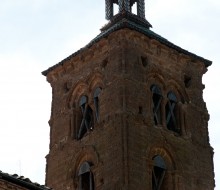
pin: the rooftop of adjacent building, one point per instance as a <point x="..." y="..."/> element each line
<point x="22" y="181"/>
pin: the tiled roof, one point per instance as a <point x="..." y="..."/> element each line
<point x="22" y="181"/>
<point x="129" y="16"/>
<point x="128" y="21"/>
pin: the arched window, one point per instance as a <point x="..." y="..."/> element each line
<point x="171" y="112"/>
<point x="87" y="117"/>
<point x="158" y="173"/>
<point x="157" y="99"/>
<point x="96" y="102"/>
<point x="86" y="179"/>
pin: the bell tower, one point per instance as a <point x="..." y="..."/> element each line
<point x="128" y="112"/>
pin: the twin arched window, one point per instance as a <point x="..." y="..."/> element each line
<point x="87" y="113"/>
<point x="170" y="110"/>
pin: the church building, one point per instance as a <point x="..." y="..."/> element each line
<point x="128" y="111"/>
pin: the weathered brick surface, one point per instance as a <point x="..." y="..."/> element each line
<point x="124" y="141"/>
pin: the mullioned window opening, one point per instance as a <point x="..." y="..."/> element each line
<point x="165" y="111"/>
<point x="87" y="115"/>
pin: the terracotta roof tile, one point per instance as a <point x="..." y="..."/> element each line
<point x="22" y="181"/>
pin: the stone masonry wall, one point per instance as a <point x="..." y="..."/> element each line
<point x="125" y="139"/>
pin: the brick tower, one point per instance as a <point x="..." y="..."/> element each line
<point x="128" y="112"/>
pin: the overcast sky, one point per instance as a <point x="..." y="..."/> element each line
<point x="36" y="34"/>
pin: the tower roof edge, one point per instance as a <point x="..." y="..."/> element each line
<point x="127" y="23"/>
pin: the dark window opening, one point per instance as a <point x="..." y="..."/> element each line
<point x="171" y="113"/>
<point x="144" y="61"/>
<point x="158" y="173"/>
<point x="140" y="111"/>
<point x="187" y="81"/>
<point x="87" y="117"/>
<point x="157" y="99"/>
<point x="104" y="64"/>
<point x="86" y="179"/>
<point x="96" y="102"/>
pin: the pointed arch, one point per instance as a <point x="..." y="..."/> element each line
<point x="86" y="154"/>
<point x="166" y="153"/>
<point x="180" y="92"/>
<point x="82" y="160"/>
<point x="79" y="89"/>
<point x="157" y="79"/>
<point x="95" y="80"/>
<point x="164" y="166"/>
